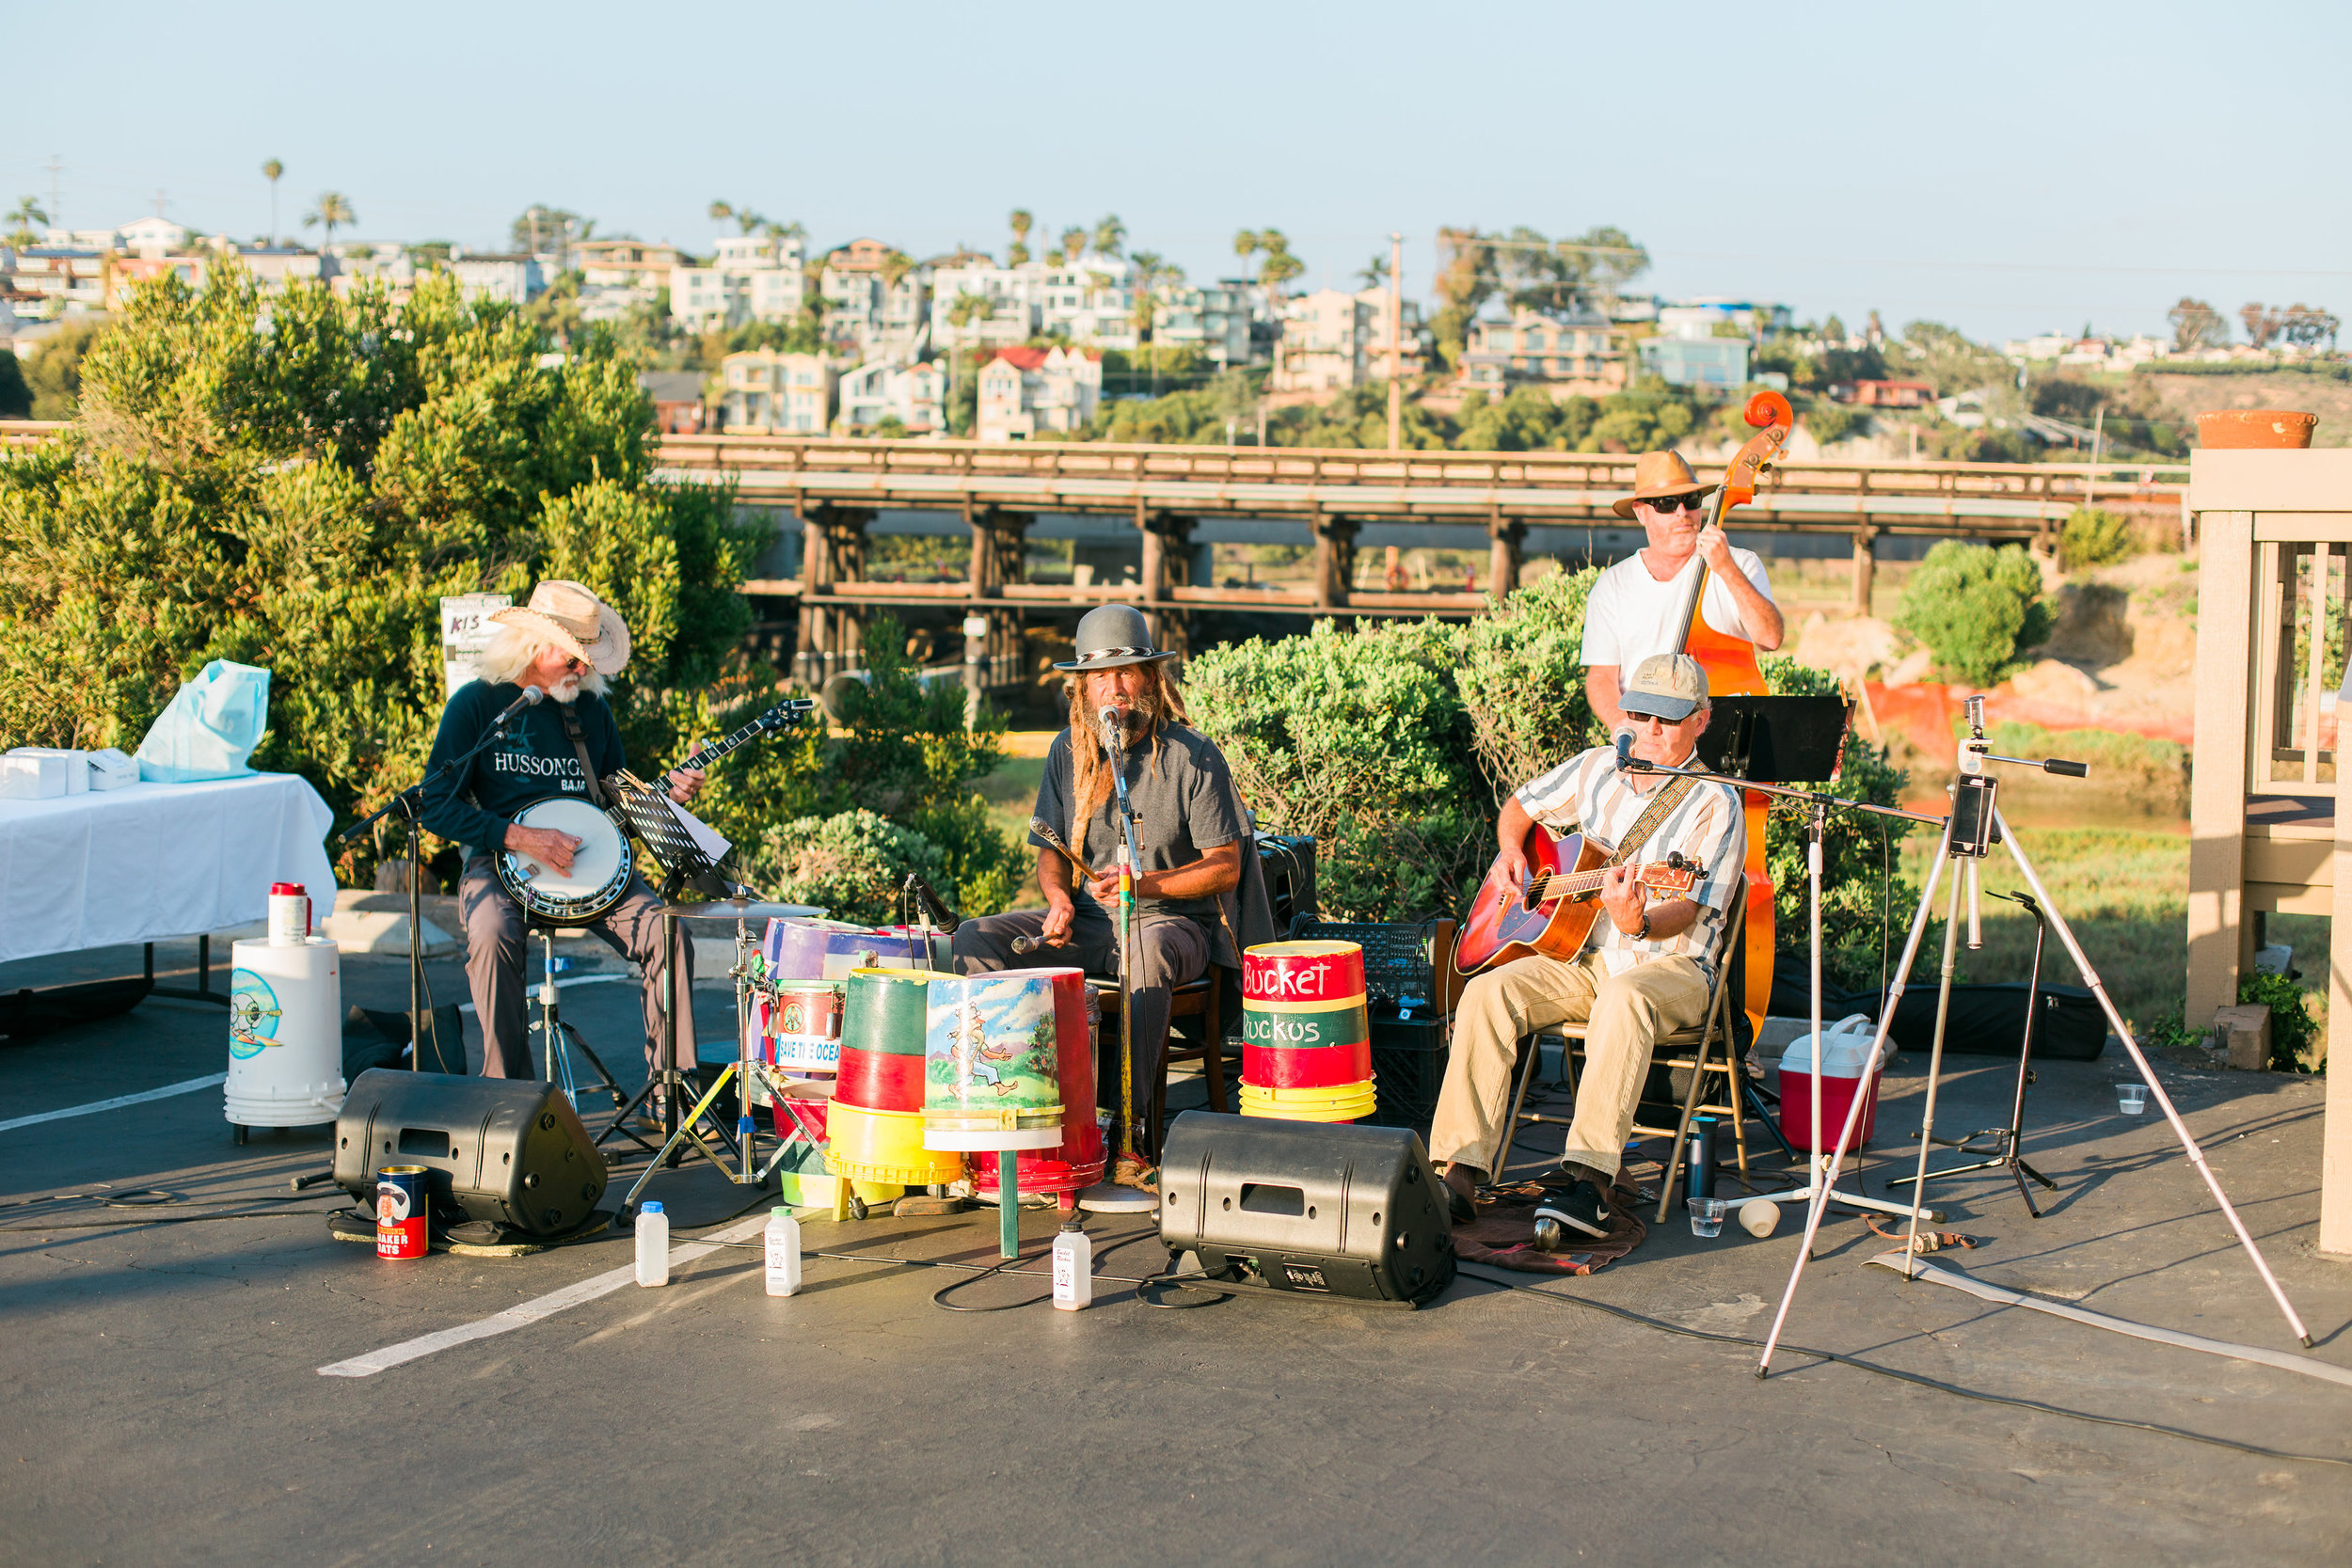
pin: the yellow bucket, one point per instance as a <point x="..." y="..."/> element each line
<point x="809" y="1191"/>
<point x="884" y="1146"/>
<point x="1344" y="1102"/>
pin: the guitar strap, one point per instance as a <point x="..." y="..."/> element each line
<point x="1661" y="805"/>
<point x="580" y="745"/>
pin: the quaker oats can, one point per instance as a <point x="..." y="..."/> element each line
<point x="401" y="1201"/>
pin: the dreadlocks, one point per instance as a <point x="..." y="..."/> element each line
<point x="1090" y="776"/>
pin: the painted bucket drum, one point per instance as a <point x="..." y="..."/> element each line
<point x="805" y="1026"/>
<point x="884" y="1146"/>
<point x="1318" y="973"/>
<point x="993" y="1051"/>
<point x="1290" y="1045"/>
<point x="831" y="949"/>
<point x="884" y="1014"/>
<point x="1076" y="1162"/>
<point x="1341" y="1104"/>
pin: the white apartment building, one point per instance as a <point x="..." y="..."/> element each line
<point x="915" y="394"/>
<point x="1024" y="390"/>
<point x="750" y="278"/>
<point x="511" y="279"/>
<point x="1090" y="301"/>
<point x="1212" y="318"/>
<point x="768" y="392"/>
<point x="867" y="314"/>
<point x="1326" y="340"/>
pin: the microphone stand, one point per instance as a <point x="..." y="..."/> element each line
<point x="408" y="802"/>
<point x="1820" y="1184"/>
<point x="1113" y="742"/>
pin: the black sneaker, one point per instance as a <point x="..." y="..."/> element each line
<point x="1580" y="1207"/>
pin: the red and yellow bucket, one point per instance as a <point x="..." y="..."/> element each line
<point x="1305" y="1030"/>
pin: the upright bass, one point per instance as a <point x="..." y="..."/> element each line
<point x="1733" y="672"/>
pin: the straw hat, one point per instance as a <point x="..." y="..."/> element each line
<point x="574" y="619"/>
<point x="1658" y="474"/>
<point x="1111" y="636"/>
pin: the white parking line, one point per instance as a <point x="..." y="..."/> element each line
<point x="531" y="1311"/>
<point x="190" y="1086"/>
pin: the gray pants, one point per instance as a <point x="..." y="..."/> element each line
<point x="495" y="926"/>
<point x="1171" y="950"/>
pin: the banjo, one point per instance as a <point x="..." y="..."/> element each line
<point x="604" y="861"/>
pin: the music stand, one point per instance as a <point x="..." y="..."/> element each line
<point x="1776" y="739"/>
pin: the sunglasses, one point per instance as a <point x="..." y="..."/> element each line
<point x="1667" y="505"/>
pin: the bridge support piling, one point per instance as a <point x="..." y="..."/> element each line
<point x="1166" y="558"/>
<point x="1504" y="553"/>
<point x="1335" y="560"/>
<point x="1864" y="568"/>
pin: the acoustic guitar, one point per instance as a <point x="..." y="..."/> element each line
<point x="1552" y="911"/>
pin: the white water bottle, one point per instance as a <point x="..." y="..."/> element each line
<point x="653" y="1245"/>
<point x="1073" y="1268"/>
<point x="783" y="1236"/>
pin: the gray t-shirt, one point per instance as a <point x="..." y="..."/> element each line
<point x="1184" y="806"/>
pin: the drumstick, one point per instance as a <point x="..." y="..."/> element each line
<point x="1043" y="829"/>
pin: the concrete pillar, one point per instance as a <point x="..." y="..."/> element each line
<point x="1504" y="539"/>
<point x="1167" y="547"/>
<point x="1864" y="568"/>
<point x="812" y="637"/>
<point x="1335" y="560"/>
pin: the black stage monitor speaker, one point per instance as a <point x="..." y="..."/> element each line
<point x="1305" y="1207"/>
<point x="509" y="1150"/>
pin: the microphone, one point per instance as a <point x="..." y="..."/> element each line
<point x="942" y="916"/>
<point x="1624" y="748"/>
<point x="532" y="697"/>
<point x="1114" y="736"/>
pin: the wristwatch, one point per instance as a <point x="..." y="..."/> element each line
<point x="1641" y="932"/>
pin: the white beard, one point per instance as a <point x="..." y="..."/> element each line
<point x="565" y="690"/>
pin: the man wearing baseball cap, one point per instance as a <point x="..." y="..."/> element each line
<point x="1644" y="971"/>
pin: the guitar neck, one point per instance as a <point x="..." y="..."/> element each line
<point x="750" y="732"/>
<point x="1568" y="884"/>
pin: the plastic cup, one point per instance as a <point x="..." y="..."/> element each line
<point x="2132" y="1097"/>
<point x="1707" y="1215"/>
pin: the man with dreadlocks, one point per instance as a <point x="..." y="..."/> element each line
<point x="1191" y="838"/>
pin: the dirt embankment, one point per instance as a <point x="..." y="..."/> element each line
<point x="2185" y="397"/>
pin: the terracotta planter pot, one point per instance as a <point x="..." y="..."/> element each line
<point x="2254" y="427"/>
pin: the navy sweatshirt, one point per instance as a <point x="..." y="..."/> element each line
<point x="474" y="805"/>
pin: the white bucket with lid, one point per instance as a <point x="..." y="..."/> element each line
<point x="285" y="1034"/>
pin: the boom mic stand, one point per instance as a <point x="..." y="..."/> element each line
<point x="410" y="802"/>
<point x="1976" y="824"/>
<point x="1822" y="1176"/>
<point x="1114" y="741"/>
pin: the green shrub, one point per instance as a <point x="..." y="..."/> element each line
<point x="1358" y="737"/>
<point x="2292" y="1025"/>
<point x="1521" y="671"/>
<point x="2093" y="536"/>
<point x="1975" y="606"/>
<point x="851" y="865"/>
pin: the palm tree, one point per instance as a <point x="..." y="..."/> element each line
<point x="796" y="229"/>
<point x="270" y="171"/>
<point x="1074" y="244"/>
<point x="1374" y="273"/>
<point x="334" y="209"/>
<point x="1021" y="222"/>
<point x="28" y="212"/>
<point x="721" y="211"/>
<point x="1280" y="266"/>
<point x="1109" y="235"/>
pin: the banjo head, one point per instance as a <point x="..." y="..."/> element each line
<point x="600" y="870"/>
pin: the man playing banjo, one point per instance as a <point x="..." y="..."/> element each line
<point x="1645" y="970"/>
<point x="564" y="643"/>
<point x="1190" y="834"/>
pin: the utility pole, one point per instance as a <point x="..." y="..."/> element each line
<point x="56" y="221"/>
<point x="1396" y="340"/>
<point x="159" y="201"/>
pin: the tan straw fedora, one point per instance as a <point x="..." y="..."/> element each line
<point x="1658" y="474"/>
<point x="574" y="619"/>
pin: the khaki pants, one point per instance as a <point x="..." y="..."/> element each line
<point x="1624" y="1016"/>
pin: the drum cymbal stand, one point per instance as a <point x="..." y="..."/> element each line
<point x="410" y="802"/>
<point x="2005" y="1155"/>
<point x="559" y="1040"/>
<point x="1975" y="825"/>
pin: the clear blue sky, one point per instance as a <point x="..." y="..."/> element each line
<point x="2001" y="166"/>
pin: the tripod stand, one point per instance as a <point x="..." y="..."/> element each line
<point x="1969" y="833"/>
<point x="2005" y="1155"/>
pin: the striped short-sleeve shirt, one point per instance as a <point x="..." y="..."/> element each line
<point x="1707" y="827"/>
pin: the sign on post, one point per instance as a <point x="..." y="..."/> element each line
<point x="466" y="630"/>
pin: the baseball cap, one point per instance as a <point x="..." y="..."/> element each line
<point x="1665" y="686"/>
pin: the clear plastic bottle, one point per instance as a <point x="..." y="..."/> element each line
<point x="782" y="1237"/>
<point x="1073" y="1268"/>
<point x="653" y="1245"/>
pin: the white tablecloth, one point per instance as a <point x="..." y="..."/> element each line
<point x="151" y="861"/>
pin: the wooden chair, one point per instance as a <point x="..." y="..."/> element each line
<point x="1202" y="999"/>
<point x="1708" y="1049"/>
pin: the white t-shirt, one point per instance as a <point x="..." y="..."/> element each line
<point x="1632" y="615"/>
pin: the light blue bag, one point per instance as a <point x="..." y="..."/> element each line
<point x="213" y="723"/>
